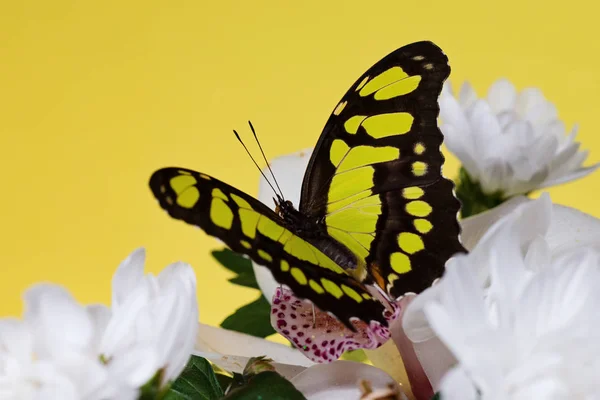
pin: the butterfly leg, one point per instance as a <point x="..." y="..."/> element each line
<point x="314" y="316"/>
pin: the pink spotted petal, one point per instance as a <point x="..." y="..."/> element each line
<point x="327" y="339"/>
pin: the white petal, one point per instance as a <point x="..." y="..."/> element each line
<point x="180" y="327"/>
<point x="474" y="227"/>
<point x="502" y="95"/>
<point x="88" y="372"/>
<point x="15" y="339"/>
<point x="136" y="366"/>
<point x="99" y="316"/>
<point x="453" y="115"/>
<point x="454" y="142"/>
<point x="571" y="228"/>
<point x="528" y="99"/>
<point x="235" y="363"/>
<point x="484" y="122"/>
<point x="216" y="340"/>
<point x="265" y="280"/>
<point x="580" y="173"/>
<point x="61" y="326"/>
<point x="467" y="95"/>
<point x="435" y="359"/>
<point x="129" y="273"/>
<point x="456" y="385"/>
<point x="339" y="380"/>
<point x="289" y="171"/>
<point x="51" y="383"/>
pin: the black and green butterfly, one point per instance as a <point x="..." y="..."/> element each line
<point x="374" y="208"/>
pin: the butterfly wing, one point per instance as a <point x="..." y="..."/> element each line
<point x="249" y="227"/>
<point x="375" y="174"/>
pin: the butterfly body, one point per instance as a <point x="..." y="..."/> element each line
<point x="374" y="207"/>
<point x="314" y="231"/>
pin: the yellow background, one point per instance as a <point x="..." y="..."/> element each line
<point x="96" y="95"/>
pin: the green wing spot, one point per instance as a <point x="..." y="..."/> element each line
<point x="418" y="208"/>
<point x="298" y="275"/>
<point x="400" y="263"/>
<point x="348" y="183"/>
<point x="391" y="124"/>
<point x="361" y="156"/>
<point x="220" y="213"/>
<point x="316" y="287"/>
<point x="181" y="182"/>
<point x="189" y="197"/>
<point x="332" y="288"/>
<point x="338" y="151"/>
<point x="249" y="220"/>
<point x="270" y="229"/>
<point x="216" y="192"/>
<point x="410" y="242"/>
<point x="353" y="294"/>
<point x="422" y="225"/>
<point x="264" y="255"/>
<point x="353" y="123"/>
<point x="400" y="88"/>
<point x="419" y="168"/>
<point x="412" y="193"/>
<point x="382" y="80"/>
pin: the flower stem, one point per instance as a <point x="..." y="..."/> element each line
<point x="473" y="199"/>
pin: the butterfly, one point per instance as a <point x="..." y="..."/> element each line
<point x="375" y="210"/>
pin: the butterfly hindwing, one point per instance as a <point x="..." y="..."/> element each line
<point x="249" y="227"/>
<point x="375" y="174"/>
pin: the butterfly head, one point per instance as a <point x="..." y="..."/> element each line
<point x="283" y="207"/>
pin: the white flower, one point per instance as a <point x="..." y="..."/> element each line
<point x="154" y="323"/>
<point x="519" y="313"/>
<point x="62" y="350"/>
<point x="53" y="352"/>
<point x="509" y="142"/>
<point x="563" y="229"/>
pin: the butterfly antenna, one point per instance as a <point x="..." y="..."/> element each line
<point x="265" y="158"/>
<point x="254" y="161"/>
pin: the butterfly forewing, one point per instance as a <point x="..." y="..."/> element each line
<point x="375" y="175"/>
<point x="249" y="227"/>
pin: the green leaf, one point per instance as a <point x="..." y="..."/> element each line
<point x="473" y="199"/>
<point x="239" y="265"/>
<point x="267" y="385"/>
<point x="437" y="396"/>
<point x="197" y="381"/>
<point x="253" y="319"/>
<point x="151" y="389"/>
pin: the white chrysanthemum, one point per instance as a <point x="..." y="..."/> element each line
<point x="518" y="313"/>
<point x="510" y="142"/>
<point x="53" y="352"/>
<point x="62" y="350"/>
<point x="154" y="323"/>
